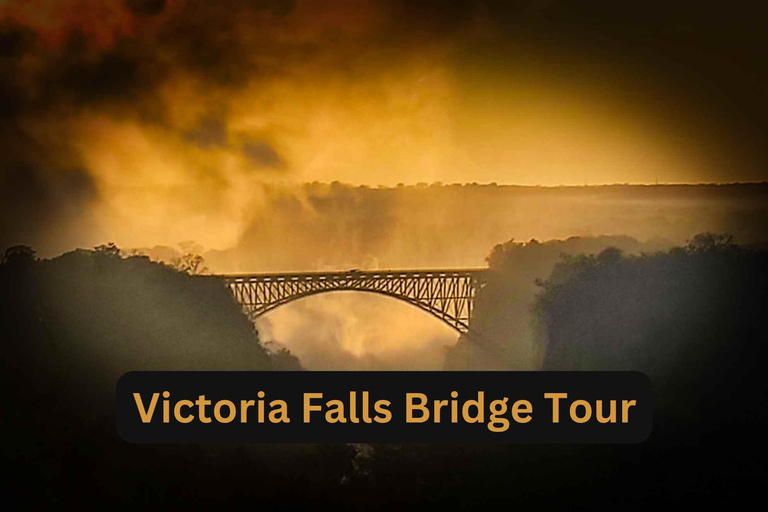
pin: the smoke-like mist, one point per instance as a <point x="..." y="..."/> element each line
<point x="353" y="331"/>
<point x="150" y="123"/>
<point x="337" y="227"/>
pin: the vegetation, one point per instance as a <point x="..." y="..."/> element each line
<point x="691" y="317"/>
<point x="503" y="317"/>
<point x="71" y="326"/>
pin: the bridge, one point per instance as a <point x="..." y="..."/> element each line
<point x="447" y="294"/>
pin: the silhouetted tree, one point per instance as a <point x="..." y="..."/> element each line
<point x="109" y="249"/>
<point x="502" y="313"/>
<point x="191" y="264"/>
<point x="71" y="326"/>
<point x="283" y="360"/>
<point x="19" y="256"/>
<point x="693" y="320"/>
<point x="710" y="242"/>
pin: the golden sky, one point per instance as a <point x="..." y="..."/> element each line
<point x="166" y="117"/>
<point x="190" y="123"/>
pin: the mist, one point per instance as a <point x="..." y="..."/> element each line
<point x="152" y="122"/>
<point x="342" y="227"/>
<point x="273" y="135"/>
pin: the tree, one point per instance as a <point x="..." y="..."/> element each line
<point x="192" y="264"/>
<point x="283" y="360"/>
<point x="109" y="249"/>
<point x="18" y="256"/>
<point x="710" y="243"/>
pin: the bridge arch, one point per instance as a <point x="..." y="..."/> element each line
<point x="447" y="294"/>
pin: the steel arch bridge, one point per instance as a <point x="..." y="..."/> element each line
<point x="447" y="294"/>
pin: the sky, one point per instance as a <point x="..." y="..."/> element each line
<point x="226" y="125"/>
<point x="152" y="113"/>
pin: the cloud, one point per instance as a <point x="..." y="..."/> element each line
<point x="149" y="122"/>
<point x="353" y="331"/>
<point x="262" y="154"/>
<point x="105" y="91"/>
<point x="363" y="91"/>
<point x="145" y="7"/>
<point x="209" y="133"/>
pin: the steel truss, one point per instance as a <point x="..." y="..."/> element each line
<point x="447" y="294"/>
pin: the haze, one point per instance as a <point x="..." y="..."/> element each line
<point x="243" y="128"/>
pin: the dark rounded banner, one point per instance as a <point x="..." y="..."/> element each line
<point x="384" y="407"/>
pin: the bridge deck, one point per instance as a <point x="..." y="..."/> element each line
<point x="350" y="274"/>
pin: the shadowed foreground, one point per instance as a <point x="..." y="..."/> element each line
<point x="691" y="318"/>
